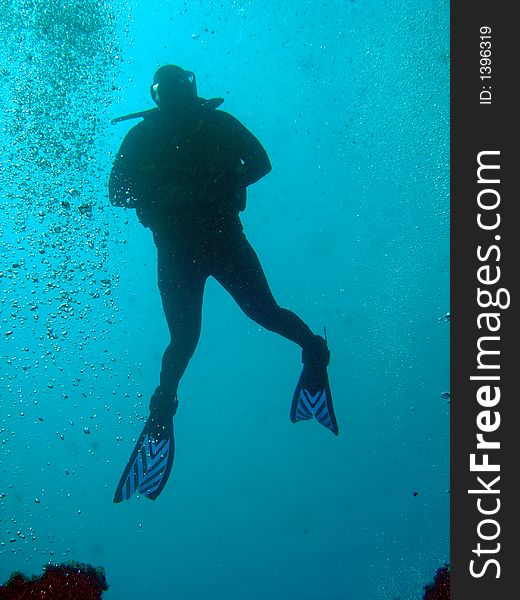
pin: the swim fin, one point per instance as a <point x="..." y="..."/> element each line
<point x="150" y="464"/>
<point x="312" y="397"/>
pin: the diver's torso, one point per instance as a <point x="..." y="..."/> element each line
<point x="195" y="153"/>
<point x="191" y="157"/>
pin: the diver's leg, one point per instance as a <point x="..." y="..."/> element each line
<point x="239" y="271"/>
<point x="181" y="283"/>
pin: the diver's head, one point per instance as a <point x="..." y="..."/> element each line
<point x="173" y="88"/>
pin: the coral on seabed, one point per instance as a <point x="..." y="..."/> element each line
<point x="440" y="588"/>
<point x="68" y="581"/>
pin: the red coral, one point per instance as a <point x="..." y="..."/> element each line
<point x="72" y="581"/>
<point x="440" y="588"/>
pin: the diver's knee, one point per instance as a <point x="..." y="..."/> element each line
<point x="183" y="343"/>
<point x="265" y="314"/>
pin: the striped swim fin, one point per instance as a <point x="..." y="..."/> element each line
<point x="149" y="466"/>
<point x="312" y="399"/>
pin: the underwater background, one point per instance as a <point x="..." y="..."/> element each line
<point x="351" y="100"/>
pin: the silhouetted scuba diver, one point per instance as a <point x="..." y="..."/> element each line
<point x="184" y="169"/>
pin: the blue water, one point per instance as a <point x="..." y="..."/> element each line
<point x="350" y="99"/>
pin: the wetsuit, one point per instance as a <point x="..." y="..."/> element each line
<point x="186" y="177"/>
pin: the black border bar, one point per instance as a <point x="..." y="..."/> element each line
<point x="485" y="132"/>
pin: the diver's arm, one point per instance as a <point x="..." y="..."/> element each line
<point x="255" y="162"/>
<point x="124" y="188"/>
